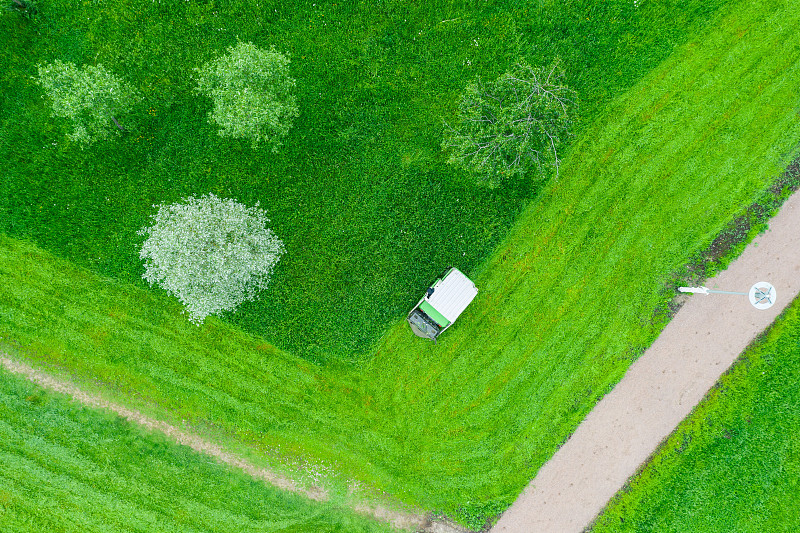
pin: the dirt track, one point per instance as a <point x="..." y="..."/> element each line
<point x="399" y="519"/>
<point x="661" y="388"/>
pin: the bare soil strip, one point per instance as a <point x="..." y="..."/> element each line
<point x="398" y="519"/>
<point x="661" y="388"/>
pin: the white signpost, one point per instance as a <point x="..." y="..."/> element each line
<point x="762" y="295"/>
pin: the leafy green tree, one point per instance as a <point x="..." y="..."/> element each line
<point x="92" y="98"/>
<point x="211" y="253"/>
<point x="252" y="94"/>
<point x="513" y="125"/>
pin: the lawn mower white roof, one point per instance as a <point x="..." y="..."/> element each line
<point x="452" y="294"/>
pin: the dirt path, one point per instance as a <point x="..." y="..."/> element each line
<point x="399" y="519"/>
<point x="658" y="391"/>
<point x="661" y="388"/>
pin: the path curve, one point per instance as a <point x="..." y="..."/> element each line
<point x="661" y="387"/>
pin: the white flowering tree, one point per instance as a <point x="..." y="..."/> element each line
<point x="92" y="98"/>
<point x="512" y="125"/>
<point x="252" y="94"/>
<point x="211" y="253"/>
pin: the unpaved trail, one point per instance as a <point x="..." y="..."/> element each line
<point x="661" y="388"/>
<point x="399" y="519"/>
<point x="658" y="391"/>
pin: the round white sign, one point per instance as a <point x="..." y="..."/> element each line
<point x="762" y="295"/>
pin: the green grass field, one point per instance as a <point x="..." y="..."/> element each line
<point x="360" y="193"/>
<point x="734" y="463"/>
<point x="66" y="468"/>
<point x="573" y="293"/>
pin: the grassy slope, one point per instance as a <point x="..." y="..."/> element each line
<point x="467" y="423"/>
<point x="67" y="468"/>
<point x="734" y="463"/>
<point x="360" y="192"/>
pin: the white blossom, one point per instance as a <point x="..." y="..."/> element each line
<point x="211" y="253"/>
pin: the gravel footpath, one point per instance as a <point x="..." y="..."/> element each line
<point x="661" y="388"/>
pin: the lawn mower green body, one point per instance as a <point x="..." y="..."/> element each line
<point x="443" y="302"/>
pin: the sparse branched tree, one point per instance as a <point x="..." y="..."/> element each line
<point x="512" y="126"/>
<point x="252" y="94"/>
<point x="92" y="98"/>
<point x="211" y="253"/>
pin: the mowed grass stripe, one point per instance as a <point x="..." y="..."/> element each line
<point x="67" y="468"/>
<point x="570" y="299"/>
<point x="135" y="345"/>
<point x="733" y="464"/>
<point x="462" y="426"/>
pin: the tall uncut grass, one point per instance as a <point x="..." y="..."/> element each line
<point x="567" y="301"/>
<point x="360" y="192"/>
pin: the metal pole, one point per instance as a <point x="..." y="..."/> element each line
<point x="727" y="292"/>
<point x="706" y="290"/>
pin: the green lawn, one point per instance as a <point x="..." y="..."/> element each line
<point x="67" y="468"/>
<point x="568" y="299"/>
<point x="360" y="193"/>
<point x="734" y="463"/>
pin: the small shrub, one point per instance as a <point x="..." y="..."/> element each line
<point x="211" y="253"/>
<point x="252" y="93"/>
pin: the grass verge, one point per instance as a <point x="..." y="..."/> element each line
<point x="67" y="468"/>
<point x="733" y="464"/>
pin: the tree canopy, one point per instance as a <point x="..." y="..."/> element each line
<point x="91" y="98"/>
<point x="211" y="253"/>
<point x="252" y="94"/>
<point x="512" y="126"/>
